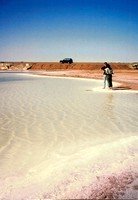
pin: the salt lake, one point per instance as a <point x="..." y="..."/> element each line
<point x="58" y="134"/>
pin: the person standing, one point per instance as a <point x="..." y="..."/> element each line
<point x="107" y="72"/>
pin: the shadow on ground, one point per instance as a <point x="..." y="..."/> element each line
<point x="121" y="88"/>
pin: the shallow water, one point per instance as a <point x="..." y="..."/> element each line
<point x="51" y="128"/>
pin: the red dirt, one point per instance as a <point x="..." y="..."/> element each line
<point x="76" y="66"/>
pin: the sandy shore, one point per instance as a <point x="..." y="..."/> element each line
<point x="128" y="79"/>
<point x="124" y="73"/>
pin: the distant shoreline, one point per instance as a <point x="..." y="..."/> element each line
<point x="124" y="73"/>
<point x="65" y="66"/>
<point x="127" y="77"/>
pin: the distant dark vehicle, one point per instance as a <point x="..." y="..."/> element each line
<point x="67" y="60"/>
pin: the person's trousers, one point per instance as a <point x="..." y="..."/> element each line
<point x="108" y="80"/>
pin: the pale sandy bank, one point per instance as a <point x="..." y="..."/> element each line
<point x="128" y="79"/>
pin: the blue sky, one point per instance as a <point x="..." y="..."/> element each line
<point x="86" y="30"/>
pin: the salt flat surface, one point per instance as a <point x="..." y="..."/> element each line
<point x="59" y="138"/>
<point x="115" y="89"/>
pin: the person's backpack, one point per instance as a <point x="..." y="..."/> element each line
<point x="108" y="71"/>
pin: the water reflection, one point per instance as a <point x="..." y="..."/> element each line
<point x="12" y="77"/>
<point x="108" y="106"/>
